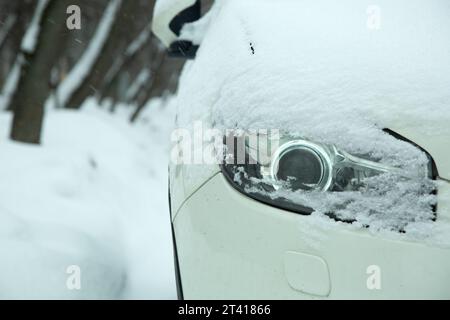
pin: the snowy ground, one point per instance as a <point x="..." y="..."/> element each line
<point x="94" y="195"/>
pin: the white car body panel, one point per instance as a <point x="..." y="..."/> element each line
<point x="185" y="180"/>
<point x="230" y="246"/>
<point x="436" y="145"/>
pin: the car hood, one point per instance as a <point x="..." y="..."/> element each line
<point x="337" y="72"/>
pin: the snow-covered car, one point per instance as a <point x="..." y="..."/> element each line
<point x="350" y="103"/>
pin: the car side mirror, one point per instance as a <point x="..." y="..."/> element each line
<point x="168" y="22"/>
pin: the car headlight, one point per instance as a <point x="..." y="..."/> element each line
<point x="303" y="167"/>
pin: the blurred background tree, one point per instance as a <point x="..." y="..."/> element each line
<point x="113" y="58"/>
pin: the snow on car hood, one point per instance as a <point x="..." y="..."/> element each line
<point x="307" y="66"/>
<point x="327" y="71"/>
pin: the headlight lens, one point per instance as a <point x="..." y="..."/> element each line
<point x="303" y="165"/>
<point x="293" y="165"/>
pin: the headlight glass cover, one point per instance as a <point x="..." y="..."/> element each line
<point x="298" y="174"/>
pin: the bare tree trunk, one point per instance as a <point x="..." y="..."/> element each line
<point x="92" y="84"/>
<point x="12" y="37"/>
<point x="133" y="50"/>
<point x="164" y="78"/>
<point x="143" y="57"/>
<point x="33" y="88"/>
<point x="6" y="30"/>
<point x="110" y="87"/>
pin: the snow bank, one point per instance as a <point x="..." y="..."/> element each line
<point x="92" y="196"/>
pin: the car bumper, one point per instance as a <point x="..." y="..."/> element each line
<point x="232" y="247"/>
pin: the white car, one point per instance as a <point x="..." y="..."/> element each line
<point x="350" y="103"/>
